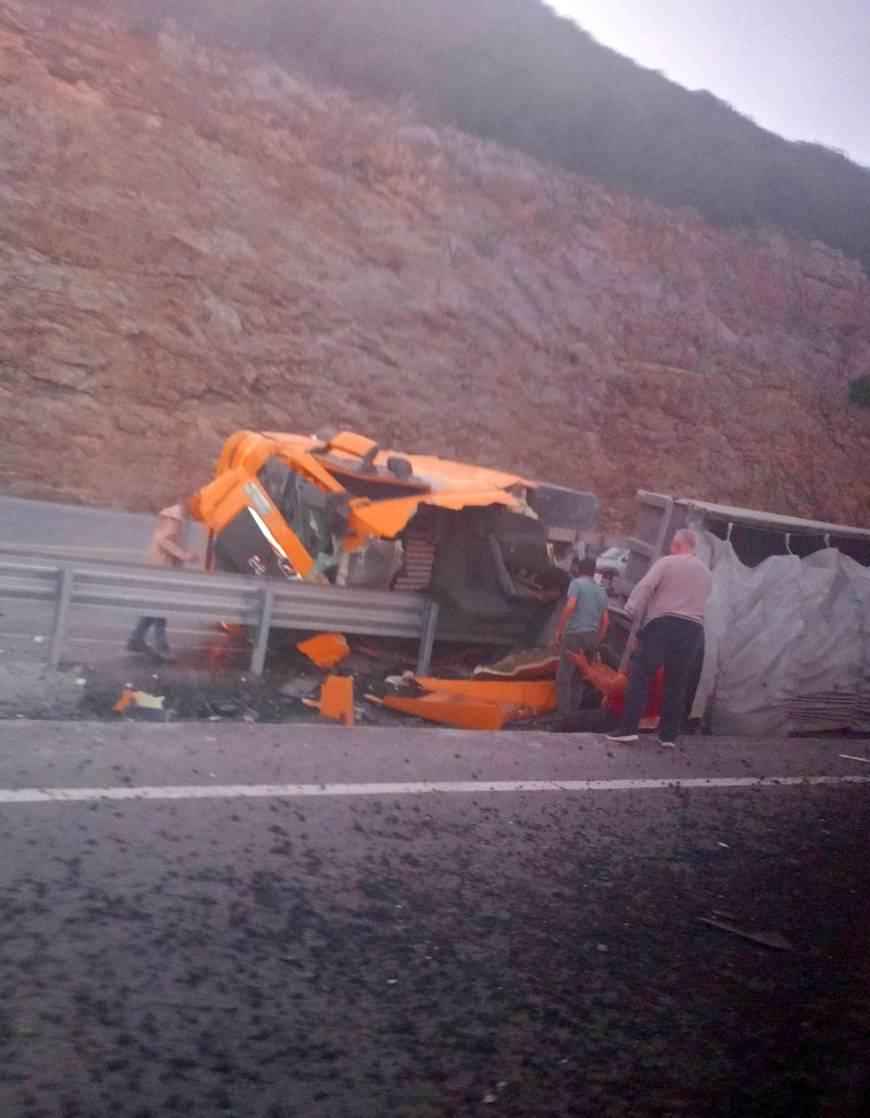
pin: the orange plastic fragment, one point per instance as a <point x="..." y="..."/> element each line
<point x="536" y="695"/>
<point x="124" y="700"/>
<point x="603" y="678"/>
<point x="326" y="649"/>
<point x="336" y="699"/>
<point x="454" y="710"/>
<point x="612" y="685"/>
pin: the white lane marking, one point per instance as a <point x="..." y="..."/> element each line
<point x="421" y="788"/>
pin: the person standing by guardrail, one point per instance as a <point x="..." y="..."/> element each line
<point x="165" y="550"/>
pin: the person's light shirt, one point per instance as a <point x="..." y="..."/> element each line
<point x="674" y="586"/>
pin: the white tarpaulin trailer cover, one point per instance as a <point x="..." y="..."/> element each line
<point x="788" y="643"/>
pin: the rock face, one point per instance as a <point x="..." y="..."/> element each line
<point x="192" y="242"/>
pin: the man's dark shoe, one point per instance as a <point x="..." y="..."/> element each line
<point x="164" y="655"/>
<point x="136" y="645"/>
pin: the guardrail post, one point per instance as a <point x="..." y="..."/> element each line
<point x="427" y="638"/>
<point x="65" y="577"/>
<point x="258" y="656"/>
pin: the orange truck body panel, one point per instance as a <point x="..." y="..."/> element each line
<point x="437" y="482"/>
<point x="535" y="695"/>
<point x="453" y="710"/>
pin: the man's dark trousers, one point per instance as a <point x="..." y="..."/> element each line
<point x="676" y="644"/>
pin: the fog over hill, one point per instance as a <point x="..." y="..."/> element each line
<point x="513" y="71"/>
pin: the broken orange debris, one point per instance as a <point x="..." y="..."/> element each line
<point x="452" y="710"/>
<point x="604" y="679"/>
<point x="124" y="700"/>
<point x="336" y="699"/>
<point x="612" y="685"/>
<point x="138" y="698"/>
<point x="326" y="649"/>
<point x="534" y="695"/>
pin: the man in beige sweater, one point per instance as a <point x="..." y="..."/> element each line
<point x="165" y="551"/>
<point x="669" y="600"/>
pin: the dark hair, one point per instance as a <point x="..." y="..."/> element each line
<point x="583" y="566"/>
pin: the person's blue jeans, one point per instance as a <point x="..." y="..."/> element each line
<point x="159" y="624"/>
<point x="675" y="644"/>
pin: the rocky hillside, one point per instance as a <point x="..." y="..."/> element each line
<point x="193" y="241"/>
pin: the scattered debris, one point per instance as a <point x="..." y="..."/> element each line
<point x="534" y="695"/>
<point x="140" y="699"/>
<point x="766" y="939"/>
<point x="326" y="649"/>
<point x="849" y="757"/>
<point x="533" y="663"/>
<point x="470" y="704"/>
<point x="38" y="640"/>
<point x="612" y="685"/>
<point x="400" y="680"/>
<point x="81" y="682"/>
<point x="301" y="687"/>
<point x="336" y="699"/>
<point x="450" y="710"/>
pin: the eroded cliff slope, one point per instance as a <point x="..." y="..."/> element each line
<point x="193" y="241"/>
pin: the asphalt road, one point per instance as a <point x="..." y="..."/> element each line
<point x="285" y="921"/>
<point x="58" y="531"/>
<point x="43" y="527"/>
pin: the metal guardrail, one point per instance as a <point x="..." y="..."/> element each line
<point x="263" y="604"/>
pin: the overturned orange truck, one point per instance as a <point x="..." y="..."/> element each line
<point x="489" y="546"/>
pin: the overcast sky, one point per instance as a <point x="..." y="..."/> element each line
<point x="797" y="67"/>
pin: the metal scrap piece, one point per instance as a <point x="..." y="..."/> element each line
<point x="767" y="939"/>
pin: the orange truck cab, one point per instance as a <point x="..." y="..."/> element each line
<point x="341" y="510"/>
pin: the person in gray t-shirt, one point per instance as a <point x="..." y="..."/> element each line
<point x="579" y="630"/>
